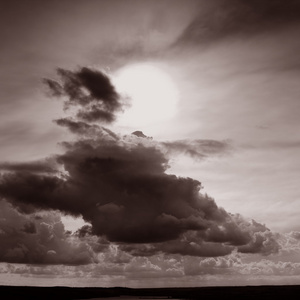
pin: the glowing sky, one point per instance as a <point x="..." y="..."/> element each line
<point x="211" y="90"/>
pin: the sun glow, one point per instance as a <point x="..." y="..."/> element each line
<point x="152" y="95"/>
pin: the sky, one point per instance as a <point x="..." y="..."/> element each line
<point x="149" y="143"/>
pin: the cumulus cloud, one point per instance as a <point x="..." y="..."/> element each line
<point x="55" y="247"/>
<point x="39" y="239"/>
<point x="120" y="186"/>
<point x="295" y="235"/>
<point x="128" y="198"/>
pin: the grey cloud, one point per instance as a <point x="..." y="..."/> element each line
<point x="84" y="231"/>
<point x="295" y="235"/>
<point x="140" y="134"/>
<point x="77" y="127"/>
<point x="198" y="149"/>
<point x="85" y="129"/>
<point x="90" y="90"/>
<point x="220" y="19"/>
<point x="42" y="166"/>
<point x="139" y="249"/>
<point x="269" y="267"/>
<point x="26" y="239"/>
<point x="93" y="113"/>
<point x="133" y="187"/>
<point x="120" y="186"/>
<point x="261" y="242"/>
<point x="55" y="89"/>
<point x="237" y="264"/>
<point x="202" y="249"/>
<point x="212" y="265"/>
<point x="97" y="244"/>
<point x="29" y="227"/>
<point x="128" y="198"/>
<point x="114" y="261"/>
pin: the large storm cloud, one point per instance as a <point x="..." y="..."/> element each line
<point x="120" y="186"/>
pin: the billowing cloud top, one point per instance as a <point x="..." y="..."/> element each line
<point x="120" y="185"/>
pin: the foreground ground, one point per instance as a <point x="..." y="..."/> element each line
<point x="206" y="293"/>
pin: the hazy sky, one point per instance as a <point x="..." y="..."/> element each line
<point x="150" y="143"/>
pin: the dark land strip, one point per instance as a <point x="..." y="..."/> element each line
<point x="286" y="292"/>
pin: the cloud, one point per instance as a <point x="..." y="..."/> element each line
<point x="295" y="235"/>
<point x="240" y="264"/>
<point x="139" y="133"/>
<point x="30" y="227"/>
<point x="212" y="265"/>
<point x="128" y="198"/>
<point x="42" y="166"/>
<point x="219" y="19"/>
<point x="85" y="129"/>
<point x="120" y="186"/>
<point x="55" y="247"/>
<point x="89" y="89"/>
<point x="262" y="242"/>
<point x="198" y="149"/>
<point x="77" y="127"/>
<point x="39" y="239"/>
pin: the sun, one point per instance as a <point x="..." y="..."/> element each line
<point x="152" y="94"/>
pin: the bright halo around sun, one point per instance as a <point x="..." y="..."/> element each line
<point x="152" y="94"/>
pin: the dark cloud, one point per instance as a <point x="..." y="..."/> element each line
<point x="55" y="89"/>
<point x="198" y="149"/>
<point x="78" y="127"/>
<point x="120" y="186"/>
<point x="263" y="242"/>
<point x="219" y="19"/>
<point x="218" y="239"/>
<point x="139" y="133"/>
<point x="84" y="231"/>
<point x="200" y="248"/>
<point x="97" y="244"/>
<point x="29" y="227"/>
<point x="30" y="191"/>
<point x="42" y="166"/>
<point x="85" y="129"/>
<point x="122" y="189"/>
<point x="139" y="249"/>
<point x="94" y="114"/>
<point x="89" y="90"/>
<point x="27" y="239"/>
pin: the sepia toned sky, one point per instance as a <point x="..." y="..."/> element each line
<point x="150" y="143"/>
